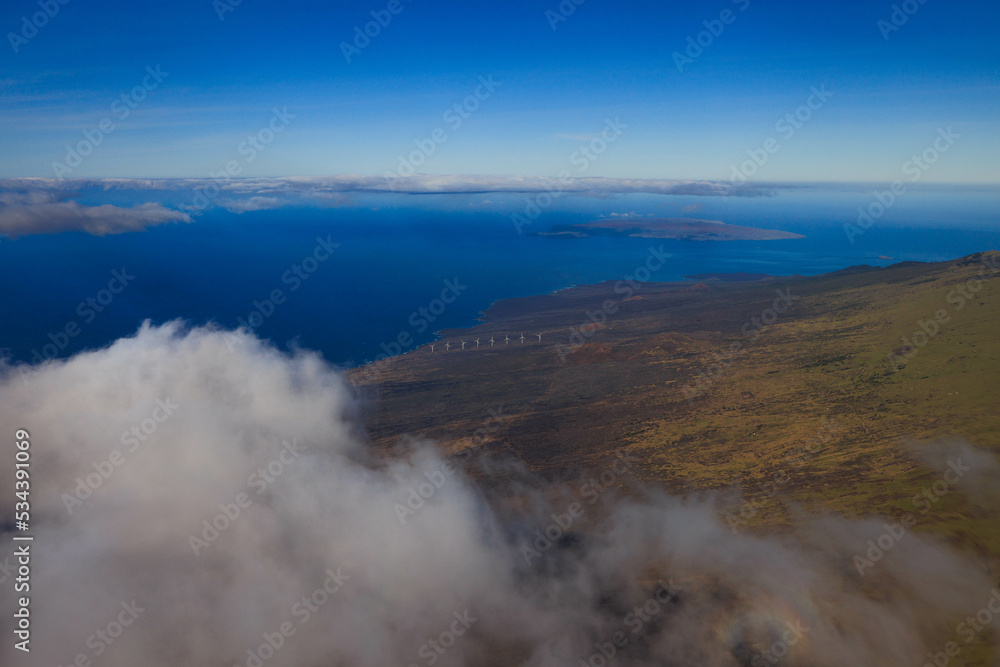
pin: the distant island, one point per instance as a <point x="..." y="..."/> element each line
<point x="686" y="229"/>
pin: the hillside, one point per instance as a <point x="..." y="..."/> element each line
<point x="658" y="377"/>
<point x="815" y="413"/>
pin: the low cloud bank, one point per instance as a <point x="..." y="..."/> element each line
<point x="41" y="211"/>
<point x="200" y="505"/>
<point x="254" y="194"/>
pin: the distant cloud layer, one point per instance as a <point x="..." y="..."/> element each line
<point x="416" y="184"/>
<point x="251" y="204"/>
<point x="45" y="206"/>
<point x="46" y="212"/>
<point x="220" y="497"/>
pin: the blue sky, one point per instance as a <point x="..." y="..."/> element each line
<point x="557" y="88"/>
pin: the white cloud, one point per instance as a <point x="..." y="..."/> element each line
<point x="47" y="205"/>
<point x="46" y="212"/>
<point x="251" y="204"/>
<point x="416" y="184"/>
<point x="333" y="507"/>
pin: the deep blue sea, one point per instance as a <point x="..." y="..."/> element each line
<point x="396" y="252"/>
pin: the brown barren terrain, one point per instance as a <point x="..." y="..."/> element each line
<point x="708" y="387"/>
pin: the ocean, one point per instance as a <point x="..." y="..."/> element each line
<point x="348" y="281"/>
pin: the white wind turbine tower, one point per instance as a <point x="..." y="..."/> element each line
<point x="506" y="340"/>
<point x="477" y="342"/>
<point x="522" y="338"/>
<point x="463" y="344"/>
<point x="447" y="347"/>
<point x="491" y="341"/>
<point x="539" y="338"/>
<point x="432" y="347"/>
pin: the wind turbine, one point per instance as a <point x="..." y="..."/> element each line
<point x="447" y="347"/>
<point x="491" y="341"/>
<point x="432" y="347"/>
<point x="539" y="338"/>
<point x="463" y="344"/>
<point x="522" y="338"/>
<point x="477" y="342"/>
<point x="506" y="340"/>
